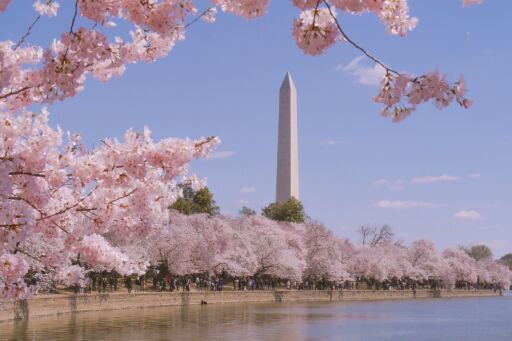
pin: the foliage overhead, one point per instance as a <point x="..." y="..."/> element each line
<point x="37" y="74"/>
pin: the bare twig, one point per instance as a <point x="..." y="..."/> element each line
<point x="15" y="92"/>
<point x="28" y="173"/>
<point x="12" y="225"/>
<point x="203" y="13"/>
<point x="22" y="39"/>
<point x="67" y="208"/>
<point x="357" y="46"/>
<point x="17" y="249"/>
<point x="28" y="203"/>
<point x="315" y="11"/>
<point x="60" y="227"/>
<point x="74" y="17"/>
<point x="121" y="197"/>
<point x="207" y="140"/>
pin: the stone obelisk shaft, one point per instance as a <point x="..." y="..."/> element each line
<point x="287" y="182"/>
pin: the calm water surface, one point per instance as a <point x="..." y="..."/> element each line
<point x="452" y="319"/>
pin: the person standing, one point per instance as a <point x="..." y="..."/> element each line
<point x="111" y="282"/>
<point x="137" y="284"/>
<point x="104" y="284"/>
<point x="128" y="283"/>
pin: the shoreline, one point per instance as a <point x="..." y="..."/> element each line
<point x="58" y="304"/>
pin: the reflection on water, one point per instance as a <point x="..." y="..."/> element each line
<point x="455" y="319"/>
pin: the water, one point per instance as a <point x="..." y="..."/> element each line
<point x="419" y="320"/>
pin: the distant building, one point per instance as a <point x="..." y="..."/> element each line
<point x="287" y="179"/>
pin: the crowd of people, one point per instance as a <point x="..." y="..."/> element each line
<point x="110" y="282"/>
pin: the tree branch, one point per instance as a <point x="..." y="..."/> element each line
<point x="17" y="249"/>
<point x="200" y="144"/>
<point x="12" y="93"/>
<point x="354" y="44"/>
<point x="67" y="208"/>
<point x="121" y="197"/>
<point x="28" y="173"/>
<point x="22" y="39"/>
<point x="74" y="17"/>
<point x="12" y="225"/>
<point x="198" y="17"/>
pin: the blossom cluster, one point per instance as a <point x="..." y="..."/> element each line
<point x="432" y="86"/>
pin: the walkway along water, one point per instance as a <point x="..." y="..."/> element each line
<point x="47" y="305"/>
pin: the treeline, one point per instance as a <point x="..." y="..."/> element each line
<point x="255" y="246"/>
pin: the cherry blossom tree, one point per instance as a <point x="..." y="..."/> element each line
<point x="58" y="201"/>
<point x="326" y="254"/>
<point x="276" y="246"/>
<point x="461" y="266"/>
<point x="426" y="262"/>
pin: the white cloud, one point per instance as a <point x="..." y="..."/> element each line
<point x="432" y="179"/>
<point x="404" y="205"/>
<point x="366" y="75"/>
<point x="330" y="142"/>
<point x="474" y="176"/>
<point x="394" y="185"/>
<point x="468" y="214"/>
<point x="221" y="154"/>
<point x="248" y="189"/>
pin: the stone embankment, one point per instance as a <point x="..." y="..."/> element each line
<point x="63" y="304"/>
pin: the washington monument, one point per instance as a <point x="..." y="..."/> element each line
<point x="287" y="180"/>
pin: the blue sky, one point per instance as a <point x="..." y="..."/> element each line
<point x="355" y="166"/>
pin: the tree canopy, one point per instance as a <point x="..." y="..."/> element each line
<point x="194" y="202"/>
<point x="507" y="260"/>
<point x="291" y="211"/>
<point x="374" y="235"/>
<point x="478" y="252"/>
<point x="246" y="211"/>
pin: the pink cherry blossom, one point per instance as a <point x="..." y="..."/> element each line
<point x="12" y="270"/>
<point x="315" y="31"/>
<point x="47" y="7"/>
<point x="245" y="8"/>
<point x="472" y="2"/>
<point x="71" y="275"/>
<point x="210" y="15"/>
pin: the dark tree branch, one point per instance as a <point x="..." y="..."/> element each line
<point x="74" y="17"/>
<point x="356" y="45"/>
<point x="12" y="93"/>
<point x="203" y="13"/>
<point x="22" y="39"/>
<point x="28" y="173"/>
